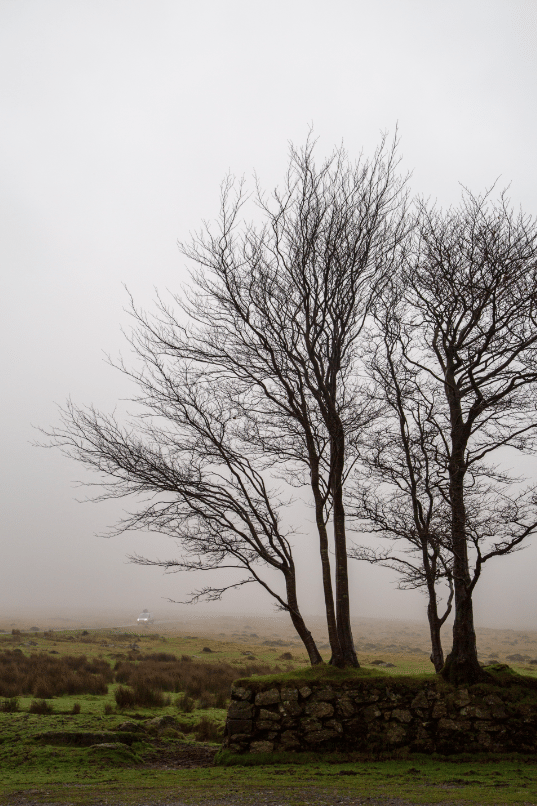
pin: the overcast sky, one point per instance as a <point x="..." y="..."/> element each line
<point x="118" y="122"/>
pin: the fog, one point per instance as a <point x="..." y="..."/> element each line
<point x="119" y="121"/>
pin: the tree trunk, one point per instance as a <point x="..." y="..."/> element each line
<point x="337" y="658"/>
<point x="430" y="565"/>
<point x="299" y="623"/>
<point x="435" y="625"/>
<point x="340" y="543"/>
<point x="461" y="666"/>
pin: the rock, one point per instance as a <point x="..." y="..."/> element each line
<point x="420" y="701"/>
<point x="453" y="725"/>
<point x="290" y="739"/>
<point x="240" y="710"/>
<point x="261" y="747"/>
<point x="319" y="709"/>
<point x="476" y="712"/>
<point x="318" y="736"/>
<point x="439" y="710"/>
<point x="484" y="739"/>
<point x="371" y="712"/>
<point x="289" y="694"/>
<point x="462" y="698"/>
<point x="239" y="726"/>
<point x="333" y="724"/>
<point x="292" y="708"/>
<point x="270" y="697"/>
<point x="311" y="724"/>
<point x="262" y="724"/>
<point x="345" y="707"/>
<point x="395" y="734"/>
<point x="402" y="715"/>
<point x="270" y="715"/>
<point x="354" y="716"/>
<point x="240" y="693"/>
<point x="492" y="699"/>
<point x="324" y="694"/>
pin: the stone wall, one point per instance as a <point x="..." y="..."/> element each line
<point x="373" y="715"/>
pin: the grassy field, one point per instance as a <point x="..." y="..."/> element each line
<point x="164" y="753"/>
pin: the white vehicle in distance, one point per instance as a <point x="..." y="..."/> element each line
<point x="145" y="618"/>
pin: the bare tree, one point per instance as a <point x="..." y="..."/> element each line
<point x="399" y="487"/>
<point x="278" y="310"/>
<point x="192" y="479"/>
<point x="467" y="326"/>
<point x="274" y="316"/>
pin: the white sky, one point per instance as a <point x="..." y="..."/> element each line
<point x="118" y="121"/>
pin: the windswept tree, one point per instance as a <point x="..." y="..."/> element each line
<point x="466" y="331"/>
<point x="190" y="477"/>
<point x="398" y="489"/>
<point x="274" y="315"/>
<point x="277" y="310"/>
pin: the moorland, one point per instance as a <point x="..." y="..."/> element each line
<point x="131" y="715"/>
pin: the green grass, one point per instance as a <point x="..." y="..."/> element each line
<point x="66" y="774"/>
<point x="74" y="777"/>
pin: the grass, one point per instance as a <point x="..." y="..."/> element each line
<point x="73" y="774"/>
<point x="68" y="778"/>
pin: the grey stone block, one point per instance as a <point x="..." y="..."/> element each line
<point x="270" y="697"/>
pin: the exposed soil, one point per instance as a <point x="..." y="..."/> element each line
<point x="259" y="798"/>
<point x="182" y="757"/>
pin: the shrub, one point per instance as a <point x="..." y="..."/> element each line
<point x="221" y="700"/>
<point x="161" y="657"/>
<point x="43" y="676"/>
<point x="206" y="701"/>
<point x="108" y="709"/>
<point x="40" y="707"/>
<point x="208" y="731"/>
<point x="124" y="697"/>
<point x="208" y="682"/>
<point x="10" y="705"/>
<point x="141" y="695"/>
<point x="185" y="704"/>
<point x="43" y="689"/>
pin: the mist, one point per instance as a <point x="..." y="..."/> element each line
<point x="119" y="123"/>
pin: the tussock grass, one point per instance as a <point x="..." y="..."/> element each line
<point x="10" y="705"/>
<point x="42" y="676"/>
<point x="40" y="707"/>
<point x="141" y="695"/>
<point x="208" y="683"/>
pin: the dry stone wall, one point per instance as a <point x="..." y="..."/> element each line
<point x="372" y="716"/>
